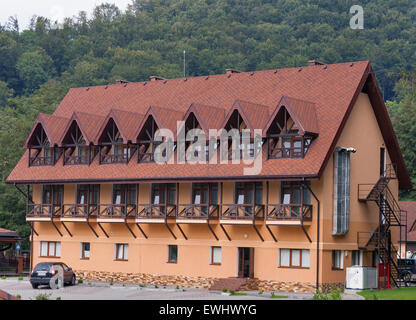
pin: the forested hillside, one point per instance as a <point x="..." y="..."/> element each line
<point x="38" y="65"/>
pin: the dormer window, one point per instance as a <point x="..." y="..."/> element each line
<point x="237" y="122"/>
<point x="76" y="149"/>
<point x="40" y="151"/>
<point x="286" y="132"/>
<point x="112" y="146"/>
<point x="146" y="141"/>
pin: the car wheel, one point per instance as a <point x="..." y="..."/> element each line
<point x="407" y="277"/>
<point x="34" y="286"/>
<point x="73" y="280"/>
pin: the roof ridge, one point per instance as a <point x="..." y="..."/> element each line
<point x="147" y="82"/>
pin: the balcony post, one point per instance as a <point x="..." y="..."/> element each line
<point x="267" y="201"/>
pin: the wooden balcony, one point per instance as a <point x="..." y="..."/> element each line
<point x="155" y="213"/>
<point x="114" y="158"/>
<point x="78" y="212"/>
<point x="37" y="161"/>
<point x="289" y="214"/>
<point x="146" y="157"/>
<point x="279" y="153"/>
<point x="42" y="212"/>
<point x="242" y="213"/>
<point x="116" y="212"/>
<point x="196" y="213"/>
<point x="76" y="160"/>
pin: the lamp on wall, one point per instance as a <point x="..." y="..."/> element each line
<point x="346" y="149"/>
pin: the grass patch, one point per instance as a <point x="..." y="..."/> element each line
<point x="393" y="294"/>
<point x="233" y="293"/>
<point x="278" y="297"/>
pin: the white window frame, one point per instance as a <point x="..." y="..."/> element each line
<point x="342" y="193"/>
<point x="56" y="249"/>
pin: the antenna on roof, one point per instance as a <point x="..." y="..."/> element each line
<point x="184" y="63"/>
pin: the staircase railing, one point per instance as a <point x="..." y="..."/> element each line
<point x="392" y="216"/>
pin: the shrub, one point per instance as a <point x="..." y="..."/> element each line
<point x="156" y="286"/>
<point x="20" y="278"/>
<point x="224" y="290"/>
<point x="80" y="281"/>
<point x="18" y="296"/>
<point x="58" y="298"/>
<point x="335" y="294"/>
<point x="43" y="296"/>
<point x="4" y="277"/>
<point x="261" y="291"/>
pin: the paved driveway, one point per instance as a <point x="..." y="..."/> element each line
<point x="103" y="291"/>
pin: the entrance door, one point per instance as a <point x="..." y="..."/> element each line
<point x="382" y="162"/>
<point x="246" y="262"/>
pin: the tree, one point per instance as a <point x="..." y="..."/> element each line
<point x="34" y="68"/>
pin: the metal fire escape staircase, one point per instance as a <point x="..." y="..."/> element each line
<point x="390" y="216"/>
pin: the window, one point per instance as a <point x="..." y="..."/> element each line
<point x="52" y="194"/>
<point x="50" y="249"/>
<point x="85" y="250"/>
<point x="357" y="258"/>
<point x="121" y="252"/>
<point x="204" y="194"/>
<point x="172" y="253"/>
<point x="294" y="258"/>
<point x="341" y="192"/>
<point x="88" y="193"/>
<point x="124" y="194"/>
<point x="215" y="255"/>
<point x="163" y="193"/>
<point x="291" y="193"/>
<point x="337" y="259"/>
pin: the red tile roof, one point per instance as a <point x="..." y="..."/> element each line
<point x="330" y="91"/>
<point x="52" y="125"/>
<point x="208" y="117"/>
<point x="410" y="207"/>
<point x="126" y="122"/>
<point x="8" y="236"/>
<point x="89" y="124"/>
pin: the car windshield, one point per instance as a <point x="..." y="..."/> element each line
<point x="42" y="267"/>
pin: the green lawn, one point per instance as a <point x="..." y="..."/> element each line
<point x="395" y="294"/>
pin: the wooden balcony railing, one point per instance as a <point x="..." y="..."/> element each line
<point x="281" y="211"/>
<point x="43" y="210"/>
<point x="79" y="210"/>
<point x="155" y="211"/>
<point x="146" y="157"/>
<point x="74" y="160"/>
<point x="41" y="161"/>
<point x="117" y="211"/>
<point x="198" y="211"/>
<point x="114" y="158"/>
<point x="243" y="212"/>
<point x="278" y="153"/>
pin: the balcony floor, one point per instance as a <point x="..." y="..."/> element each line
<point x="287" y="223"/>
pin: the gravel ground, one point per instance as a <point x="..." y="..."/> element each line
<point x="104" y="291"/>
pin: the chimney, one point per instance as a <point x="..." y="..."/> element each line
<point x="230" y="71"/>
<point x="315" y="63"/>
<point x="155" y="78"/>
<point x="121" y="82"/>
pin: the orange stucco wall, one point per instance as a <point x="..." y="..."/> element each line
<point x="150" y="255"/>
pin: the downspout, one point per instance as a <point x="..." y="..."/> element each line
<point x="317" y="234"/>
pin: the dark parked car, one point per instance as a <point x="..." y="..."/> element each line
<point x="44" y="271"/>
<point x="407" y="268"/>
